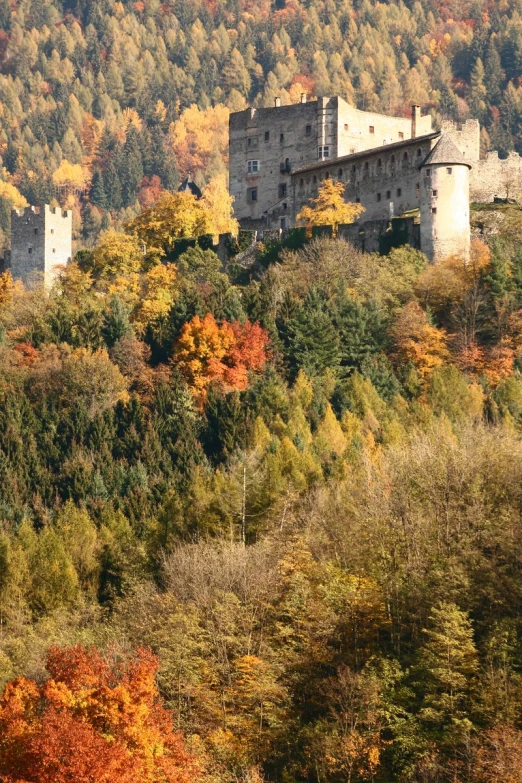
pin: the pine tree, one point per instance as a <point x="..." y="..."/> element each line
<point x="97" y="193"/>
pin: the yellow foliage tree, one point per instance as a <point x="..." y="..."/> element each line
<point x="329" y="208"/>
<point x="219" y="202"/>
<point x="174" y="216"/>
<point x="8" y="192"/>
<point x="70" y="176"/>
<point x="158" y="294"/>
<point x="200" y="140"/>
<point x="117" y="263"/>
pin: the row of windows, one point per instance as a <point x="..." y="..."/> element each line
<point x="253" y="141"/>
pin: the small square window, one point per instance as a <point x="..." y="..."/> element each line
<point x="399" y="192"/>
<point x="252" y="166"/>
<point x="323" y="152"/>
<point x="434" y="211"/>
<point x="308" y="130"/>
<point x="372" y="129"/>
<point x="435" y="193"/>
<point x="357" y="200"/>
<point x="267" y="136"/>
<point x="449" y="171"/>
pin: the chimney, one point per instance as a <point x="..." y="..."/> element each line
<point x="277" y="102"/>
<point x="303" y="97"/>
<point x="415" y="117"/>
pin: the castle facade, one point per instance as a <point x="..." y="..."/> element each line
<point x="392" y="166"/>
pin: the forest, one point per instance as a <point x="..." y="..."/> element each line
<point x="257" y="525"/>
<point x="276" y="508"/>
<point x="103" y="105"/>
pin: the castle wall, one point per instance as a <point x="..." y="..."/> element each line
<point x="386" y="182"/>
<point x="58" y="241"/>
<point x="285" y="138"/>
<point x="494" y="177"/>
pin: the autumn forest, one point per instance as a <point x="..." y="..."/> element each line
<point x="258" y="524"/>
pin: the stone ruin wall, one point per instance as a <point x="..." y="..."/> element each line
<point x="495" y="177"/>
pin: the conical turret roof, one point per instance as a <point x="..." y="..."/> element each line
<point x="446" y="152"/>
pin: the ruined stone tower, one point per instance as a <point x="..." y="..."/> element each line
<point x="41" y="244"/>
<point x="444" y="205"/>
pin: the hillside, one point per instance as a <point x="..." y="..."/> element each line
<point x="104" y="104"/>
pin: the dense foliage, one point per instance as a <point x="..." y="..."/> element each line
<point x="299" y="485"/>
<point x="103" y="105"/>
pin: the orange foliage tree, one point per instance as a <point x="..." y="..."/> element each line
<point x="207" y="352"/>
<point x="91" y="721"/>
<point x="417" y="341"/>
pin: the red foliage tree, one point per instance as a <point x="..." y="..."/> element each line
<point x="91" y="722"/>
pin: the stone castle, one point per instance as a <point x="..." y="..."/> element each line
<point x="41" y="244"/>
<point x="392" y="166"/>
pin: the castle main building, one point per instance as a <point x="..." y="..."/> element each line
<point x="391" y="165"/>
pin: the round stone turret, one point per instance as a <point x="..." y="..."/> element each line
<point x="444" y="208"/>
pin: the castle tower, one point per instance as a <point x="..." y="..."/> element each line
<point x="41" y="244"/>
<point x="444" y="207"/>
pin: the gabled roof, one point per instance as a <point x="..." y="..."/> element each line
<point x="188" y="186"/>
<point x="395" y="146"/>
<point x="446" y="152"/>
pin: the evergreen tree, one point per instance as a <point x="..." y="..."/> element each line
<point x="97" y="192"/>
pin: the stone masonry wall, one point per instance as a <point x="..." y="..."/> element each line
<point x="494" y="177"/>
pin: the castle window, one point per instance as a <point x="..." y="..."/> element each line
<point x="52" y="231"/>
<point x="323" y="152"/>
<point x="301" y="183"/>
<point x="327" y="175"/>
<point x="252" y="194"/>
<point x="399" y="192"/>
<point x="282" y="190"/>
<point x="354" y="169"/>
<point x="379" y="197"/>
<point x="435" y="193"/>
<point x="392" y="160"/>
<point x="372" y="130"/>
<point x="252" y="166"/>
<point x="267" y="136"/>
<point x="283" y="223"/>
<point x="388" y="194"/>
<point x="419" y="153"/>
<point x="428" y="172"/>
<point x="308" y="130"/>
<point x="36" y="231"/>
<point x="340" y="174"/>
<point x="30" y="250"/>
<point x="449" y="171"/>
<point x="379" y="164"/>
<point x="401" y="135"/>
<point x="357" y="200"/>
<point x="253" y="142"/>
<point x="346" y="126"/>
<point x="314" y="179"/>
<point x="54" y="250"/>
<point x="366" y="166"/>
<point x="281" y="138"/>
<point x="434" y="211"/>
<point x="405" y="158"/>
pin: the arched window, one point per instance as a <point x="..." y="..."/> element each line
<point x="419" y="153"/>
<point x="405" y="157"/>
<point x="327" y="175"/>
<point x="301" y="183"/>
<point x="314" y="179"/>
<point x="392" y="160"/>
<point x="340" y="173"/>
<point x="379" y="164"/>
<point x="366" y="166"/>
<point x="354" y="169"/>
